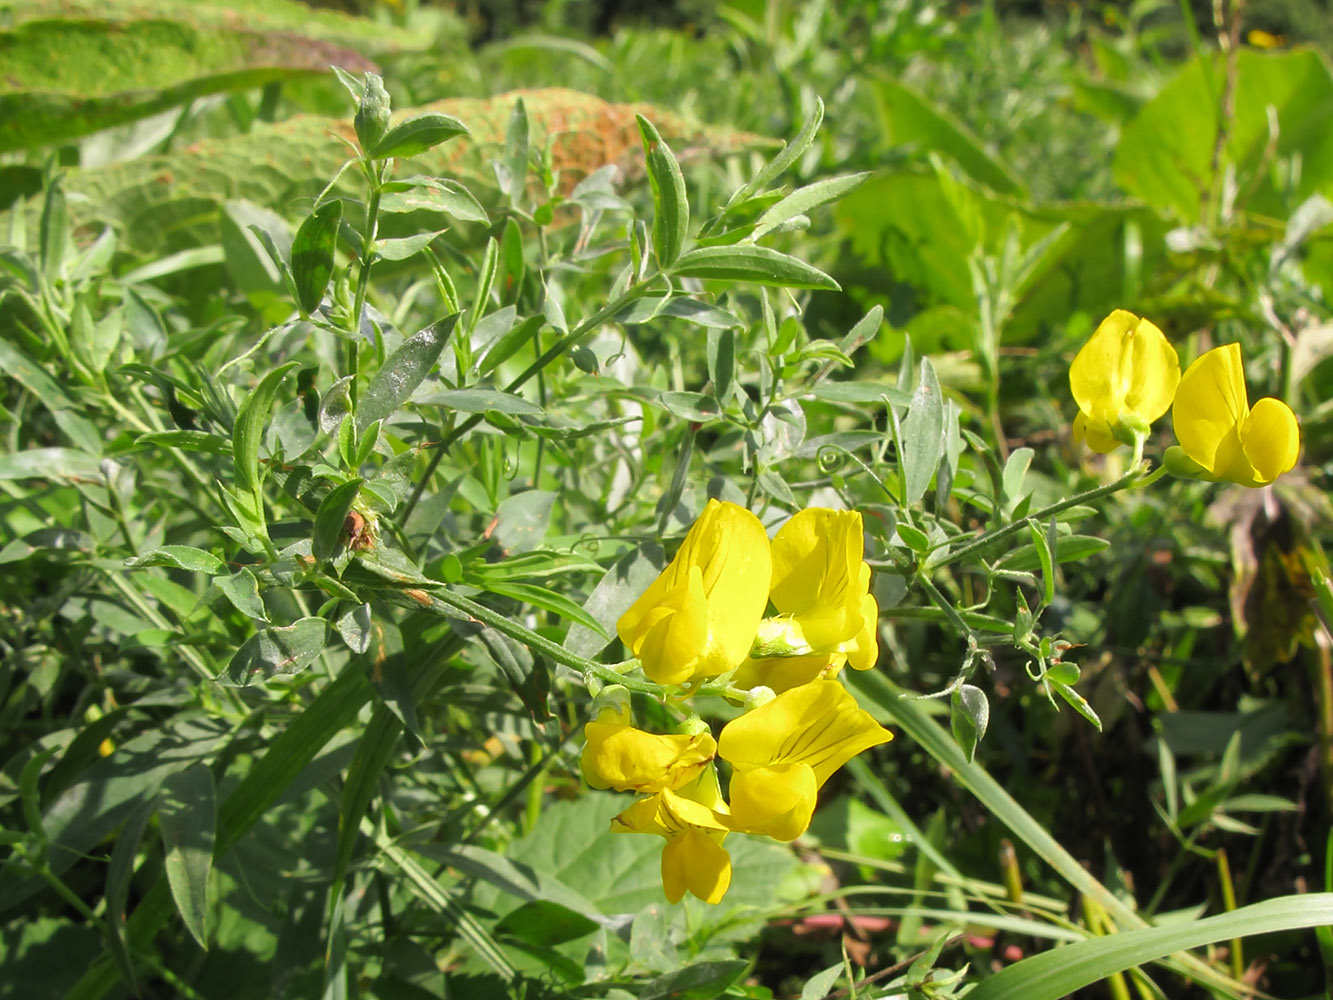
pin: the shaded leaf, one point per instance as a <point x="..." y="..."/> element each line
<point x="187" y="816"/>
<point x="276" y="651"/>
<point x="403" y="371"/>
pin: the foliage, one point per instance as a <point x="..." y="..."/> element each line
<point x="346" y="416"/>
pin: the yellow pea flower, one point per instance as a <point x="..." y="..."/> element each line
<point x="1220" y="434"/>
<point x="782" y="752"/>
<point x="782" y="673"/>
<point x="699" y="617"/>
<point x="819" y="586"/>
<point x="1122" y="379"/>
<point x="630" y="760"/>
<point x="693" y="859"/>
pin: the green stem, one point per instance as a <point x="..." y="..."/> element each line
<point x="375" y="174"/>
<point x="987" y="538"/>
<point x="576" y="337"/>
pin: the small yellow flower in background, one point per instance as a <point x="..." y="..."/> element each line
<point x="821" y="590"/>
<point x="782" y="753"/>
<point x="1122" y="380"/>
<point x="630" y="760"/>
<point x="1221" y="436"/>
<point x="699" y="617"/>
<point x="693" y="859"/>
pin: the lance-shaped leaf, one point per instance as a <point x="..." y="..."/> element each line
<point x="418" y="134"/>
<point x="312" y="254"/>
<point x="403" y="371"/>
<point x="249" y="429"/>
<point x="286" y="649"/>
<point x="761" y="265"/>
<point x="187" y="814"/>
<point x="671" y="208"/>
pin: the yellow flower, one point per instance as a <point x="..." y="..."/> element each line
<point x="693" y="859"/>
<point x="1123" y="379"/>
<point x="699" y="617"/>
<point x="1223" y="437"/>
<point x="782" y="753"/>
<point x="630" y="760"/>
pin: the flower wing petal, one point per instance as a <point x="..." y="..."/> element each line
<point x="1271" y="438"/>
<point x="1210" y="403"/>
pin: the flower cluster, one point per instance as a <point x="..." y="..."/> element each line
<point x="1127" y="375"/>
<point x="704" y="617"/>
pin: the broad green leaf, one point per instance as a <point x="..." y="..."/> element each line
<point x="702" y="981"/>
<point x="403" y="371"/>
<point x="248" y="432"/>
<point x="187" y="816"/>
<point x="521" y="520"/>
<point x="762" y="265"/>
<point x="313" y="252"/>
<point x="179" y="557"/>
<point x="923" y="434"/>
<point x="1061" y="972"/>
<point x="1165" y="154"/>
<point x="418" y="134"/>
<point x="1068" y="548"/>
<point x="330" y="518"/>
<point x="909" y="119"/>
<point x="647" y="308"/>
<point x="276" y="651"/>
<point x="671" y="206"/>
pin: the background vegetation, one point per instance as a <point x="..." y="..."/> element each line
<point x="312" y="552"/>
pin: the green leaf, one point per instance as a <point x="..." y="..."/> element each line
<point x="702" y="981"/>
<point x="404" y="247"/>
<point x="969" y="715"/>
<point x="313" y="253"/>
<point x="694" y="406"/>
<point x="242" y="590"/>
<point x="1063" y="971"/>
<point x="403" y="371"/>
<point x="909" y="119"/>
<point x="480" y="400"/>
<point x="276" y="651"/>
<point x="1165" y="154"/>
<point x="433" y="194"/>
<point x="179" y="557"/>
<point x="671" y="206"/>
<point x="418" y="134"/>
<point x="528" y="674"/>
<point x="923" y="434"/>
<point x="802" y="200"/>
<point x="372" y="113"/>
<point x="187" y="815"/>
<point x="761" y="265"/>
<point x="788" y="155"/>
<point x="248" y="432"/>
<point x="1076" y="701"/>
<point x="203" y="441"/>
<point x="1068" y="548"/>
<point x="649" y="307"/>
<point x="330" y="518"/>
<point x="53" y="464"/>
<point x="546" y="923"/>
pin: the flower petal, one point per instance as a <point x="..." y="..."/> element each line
<point x="1210" y="404"/>
<point x="818" y="724"/>
<point x="1127" y="366"/>
<point x="776" y="801"/>
<point x="1271" y="438"/>
<point x="698" y="618"/>
<point x="817" y="578"/>
<point x="694" y="861"/>
<point x="631" y="760"/>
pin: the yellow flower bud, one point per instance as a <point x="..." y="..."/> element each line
<point x="630" y="760"/>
